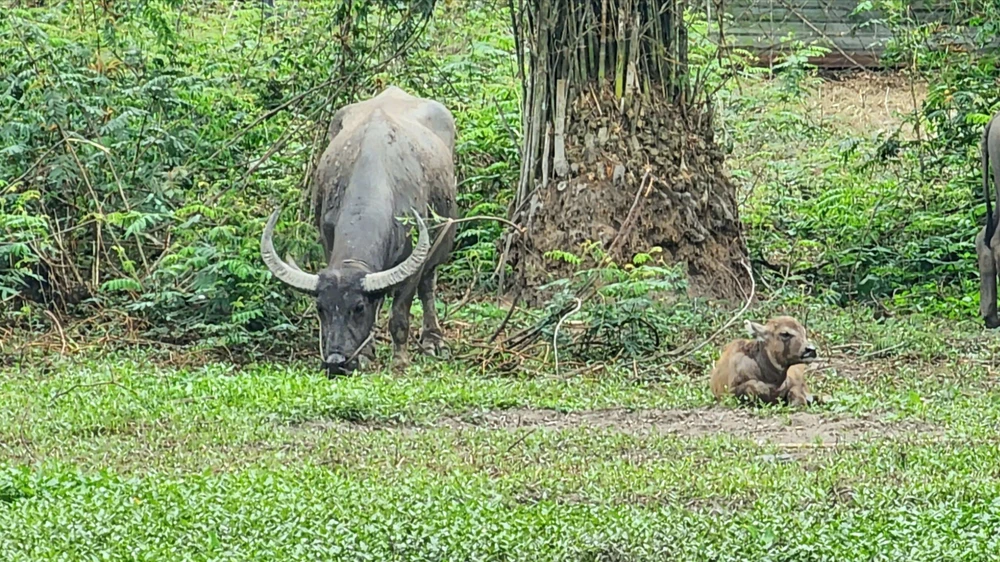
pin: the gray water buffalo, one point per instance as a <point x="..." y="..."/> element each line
<point x="388" y="157"/>
<point x="988" y="241"/>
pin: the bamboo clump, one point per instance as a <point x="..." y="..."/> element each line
<point x="565" y="44"/>
<point x="617" y="145"/>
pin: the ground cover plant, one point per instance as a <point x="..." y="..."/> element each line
<point x="176" y="413"/>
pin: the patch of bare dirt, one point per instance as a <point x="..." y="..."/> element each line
<point x="865" y="103"/>
<point x="798" y="428"/>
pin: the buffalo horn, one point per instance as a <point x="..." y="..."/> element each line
<point x="382" y="280"/>
<point x="293" y="276"/>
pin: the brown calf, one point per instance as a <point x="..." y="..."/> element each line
<point x="769" y="367"/>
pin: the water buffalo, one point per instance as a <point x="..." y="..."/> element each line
<point x="388" y="157"/>
<point x="987" y="247"/>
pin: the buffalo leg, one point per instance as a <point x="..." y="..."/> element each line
<point x="987" y="282"/>
<point x="755" y="391"/>
<point x="431" y="337"/>
<point x="399" y="323"/>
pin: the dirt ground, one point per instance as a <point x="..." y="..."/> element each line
<point x="866" y="102"/>
<point x="797" y="428"/>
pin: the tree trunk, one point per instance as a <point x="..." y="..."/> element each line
<point x="628" y="144"/>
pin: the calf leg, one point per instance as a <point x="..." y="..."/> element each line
<point x="794" y="391"/>
<point x="756" y="391"/>
<point x="399" y="324"/>
<point x="987" y="282"/>
<point x="431" y="337"/>
<point x="796" y="395"/>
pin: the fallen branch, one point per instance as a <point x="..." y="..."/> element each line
<point x="506" y="319"/>
<point x="78" y="386"/>
<point x="881" y="351"/>
<point x="555" y="333"/>
<point x="520" y="440"/>
<point x="516" y="227"/>
<point x="62" y="336"/>
<point x="640" y="193"/>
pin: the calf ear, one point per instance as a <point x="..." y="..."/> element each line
<point x="755" y="330"/>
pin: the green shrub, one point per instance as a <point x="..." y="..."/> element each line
<point x="143" y="149"/>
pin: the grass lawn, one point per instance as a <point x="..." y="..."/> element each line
<point x="112" y="457"/>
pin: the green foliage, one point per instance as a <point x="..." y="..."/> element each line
<point x="888" y="216"/>
<point x="959" y="59"/>
<point x="794" y="71"/>
<point x="467" y="60"/>
<point x="708" y="63"/>
<point x="144" y="148"/>
<point x="638" y="308"/>
<point x="147" y="147"/>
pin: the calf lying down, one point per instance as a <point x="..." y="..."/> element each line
<point x="768" y="368"/>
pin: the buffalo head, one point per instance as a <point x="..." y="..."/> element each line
<point x="347" y="295"/>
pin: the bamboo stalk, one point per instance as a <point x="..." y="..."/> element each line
<point x="620" y="43"/>
<point x="670" y="30"/>
<point x="569" y="40"/>
<point x="538" y="95"/>
<point x="631" y="78"/>
<point x="681" y="46"/>
<point x="546" y="147"/>
<point x="560" y="165"/>
<point x="581" y="42"/>
<point x="526" y="169"/>
<point x="591" y="39"/>
<point x="602" y="62"/>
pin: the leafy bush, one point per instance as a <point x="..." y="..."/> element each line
<point x="883" y="217"/>
<point x="467" y="59"/>
<point x="145" y="148"/>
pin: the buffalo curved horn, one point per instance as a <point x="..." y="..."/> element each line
<point x="293" y="276"/>
<point x="382" y="280"/>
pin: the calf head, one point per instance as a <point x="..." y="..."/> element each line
<point x="347" y="295"/>
<point x="784" y="341"/>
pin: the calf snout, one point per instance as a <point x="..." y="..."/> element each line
<point x="810" y="352"/>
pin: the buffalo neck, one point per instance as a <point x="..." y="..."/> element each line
<point x="770" y="371"/>
<point x="366" y="229"/>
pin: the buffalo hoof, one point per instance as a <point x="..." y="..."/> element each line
<point x="993" y="322"/>
<point x="432" y="343"/>
<point x="400" y="360"/>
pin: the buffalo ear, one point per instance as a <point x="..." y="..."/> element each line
<point x="755" y="330"/>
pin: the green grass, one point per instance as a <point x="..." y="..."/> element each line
<point x="127" y="456"/>
<point x="112" y="456"/>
